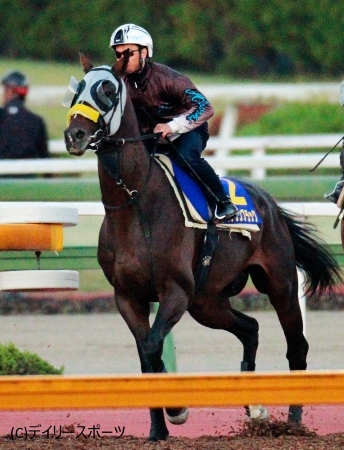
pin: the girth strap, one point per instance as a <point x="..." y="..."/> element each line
<point x="211" y="239"/>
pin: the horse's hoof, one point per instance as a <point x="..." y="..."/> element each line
<point x="181" y="418"/>
<point x="295" y="415"/>
<point x="155" y="437"/>
<point x="258" y="413"/>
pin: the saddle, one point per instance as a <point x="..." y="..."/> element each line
<point x="196" y="211"/>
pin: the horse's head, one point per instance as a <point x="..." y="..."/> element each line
<point x="96" y="105"/>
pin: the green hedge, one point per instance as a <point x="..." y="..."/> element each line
<point x="15" y="362"/>
<point x="246" y="38"/>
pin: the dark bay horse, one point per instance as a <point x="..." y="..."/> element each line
<point x="149" y="255"/>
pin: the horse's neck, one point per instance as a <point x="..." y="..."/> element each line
<point x="134" y="162"/>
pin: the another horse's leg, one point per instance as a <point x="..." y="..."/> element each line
<point x="149" y="341"/>
<point x="282" y="290"/>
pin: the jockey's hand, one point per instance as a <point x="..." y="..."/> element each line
<point x="163" y="128"/>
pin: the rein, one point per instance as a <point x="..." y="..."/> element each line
<point x="111" y="161"/>
<point x="119" y="142"/>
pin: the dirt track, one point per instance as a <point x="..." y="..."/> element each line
<point x="102" y="343"/>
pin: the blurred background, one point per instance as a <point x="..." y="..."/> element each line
<point x="245" y="39"/>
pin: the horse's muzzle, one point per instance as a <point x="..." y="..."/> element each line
<point x="76" y="140"/>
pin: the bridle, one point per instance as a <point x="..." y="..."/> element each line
<point x="108" y="149"/>
<point x="106" y="109"/>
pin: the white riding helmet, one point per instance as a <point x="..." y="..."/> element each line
<point x="132" y="34"/>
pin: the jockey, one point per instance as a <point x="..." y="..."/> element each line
<point x="167" y="102"/>
<point x="335" y="194"/>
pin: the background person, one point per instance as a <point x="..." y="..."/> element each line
<point x="23" y="134"/>
<point x="168" y="102"/>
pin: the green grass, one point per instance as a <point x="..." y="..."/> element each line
<point x="43" y="73"/>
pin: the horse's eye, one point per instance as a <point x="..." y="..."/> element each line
<point x="104" y="94"/>
<point x="108" y="89"/>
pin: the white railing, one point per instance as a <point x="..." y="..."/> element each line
<point x="258" y="161"/>
<point x="306" y="209"/>
<point x="219" y="154"/>
<point x="228" y="93"/>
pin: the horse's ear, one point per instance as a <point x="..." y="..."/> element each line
<point x="116" y="68"/>
<point x="120" y="66"/>
<point x="85" y="62"/>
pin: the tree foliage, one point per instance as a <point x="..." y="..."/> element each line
<point x="234" y="37"/>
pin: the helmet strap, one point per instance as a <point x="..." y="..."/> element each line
<point x="142" y="60"/>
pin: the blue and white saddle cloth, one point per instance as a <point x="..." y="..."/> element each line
<point x="194" y="204"/>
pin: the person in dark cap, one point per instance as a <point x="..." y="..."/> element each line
<point x="23" y="133"/>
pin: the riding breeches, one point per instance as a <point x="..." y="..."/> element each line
<point x="190" y="146"/>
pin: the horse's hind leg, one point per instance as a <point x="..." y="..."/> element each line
<point x="291" y="322"/>
<point x="283" y="295"/>
<point x="297" y="346"/>
<point x="220" y="315"/>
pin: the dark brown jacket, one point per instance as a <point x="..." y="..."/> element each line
<point x="163" y="95"/>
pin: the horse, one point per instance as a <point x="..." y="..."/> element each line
<point x="148" y="254"/>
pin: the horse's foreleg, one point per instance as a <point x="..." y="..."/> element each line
<point x="169" y="313"/>
<point x="136" y="315"/>
<point x="150" y="341"/>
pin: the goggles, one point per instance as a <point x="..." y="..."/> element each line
<point x="127" y="51"/>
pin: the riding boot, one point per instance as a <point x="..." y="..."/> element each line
<point x="225" y="209"/>
<point x="221" y="203"/>
<point x="334" y="195"/>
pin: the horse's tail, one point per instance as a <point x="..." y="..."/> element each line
<point x="313" y="256"/>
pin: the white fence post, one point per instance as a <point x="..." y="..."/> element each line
<point x="226" y="131"/>
<point x="258" y="172"/>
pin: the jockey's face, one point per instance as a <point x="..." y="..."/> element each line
<point x="135" y="56"/>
